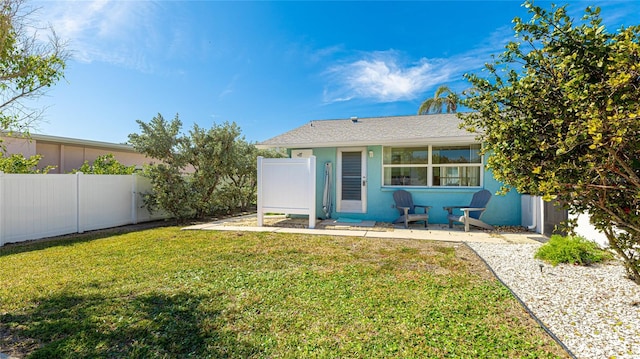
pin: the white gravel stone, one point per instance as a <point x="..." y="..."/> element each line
<point x="590" y="309"/>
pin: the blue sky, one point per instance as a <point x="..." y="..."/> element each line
<point x="269" y="66"/>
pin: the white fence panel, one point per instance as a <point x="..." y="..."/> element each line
<point x="37" y="206"/>
<point x="104" y="201"/>
<point x="287" y="185"/>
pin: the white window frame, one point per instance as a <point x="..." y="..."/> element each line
<point x="430" y="166"/>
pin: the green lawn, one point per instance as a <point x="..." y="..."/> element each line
<point x="170" y="293"/>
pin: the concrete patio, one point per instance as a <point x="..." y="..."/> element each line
<point x="434" y="232"/>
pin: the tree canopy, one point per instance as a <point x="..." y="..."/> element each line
<point x="200" y="173"/>
<point x="559" y="114"/>
<point x="28" y="65"/>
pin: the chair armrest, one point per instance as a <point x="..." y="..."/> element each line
<point x="450" y="208"/>
<point x="405" y="209"/>
<point x="467" y="210"/>
<point x="426" y="208"/>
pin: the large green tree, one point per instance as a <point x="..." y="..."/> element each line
<point x="559" y="114"/>
<point x="442" y="98"/>
<point x="200" y="173"/>
<point x="28" y="65"/>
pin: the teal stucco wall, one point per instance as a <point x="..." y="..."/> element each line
<point x="502" y="210"/>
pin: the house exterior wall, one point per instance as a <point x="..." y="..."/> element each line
<point x="501" y="210"/>
<point x="73" y="157"/>
<point x="68" y="157"/>
<point x="126" y="158"/>
<point x="19" y="145"/>
<point x="587" y="230"/>
<point x="50" y="156"/>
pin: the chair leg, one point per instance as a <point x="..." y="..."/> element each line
<point x="466" y="225"/>
<point x="406" y="222"/>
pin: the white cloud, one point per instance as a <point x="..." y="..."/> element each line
<point x="104" y="30"/>
<point x="383" y="77"/>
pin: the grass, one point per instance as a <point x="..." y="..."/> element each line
<point x="171" y="293"/>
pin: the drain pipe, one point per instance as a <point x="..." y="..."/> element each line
<point x="535" y="214"/>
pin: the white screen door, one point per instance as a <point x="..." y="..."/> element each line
<point x="351" y="180"/>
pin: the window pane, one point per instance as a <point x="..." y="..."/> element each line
<point x="456" y="154"/>
<point x="405" y="176"/>
<point x="406" y="155"/>
<point x="436" y="176"/>
<point x="470" y="176"/>
<point x="457" y="176"/>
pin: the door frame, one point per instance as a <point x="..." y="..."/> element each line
<point x="351" y="206"/>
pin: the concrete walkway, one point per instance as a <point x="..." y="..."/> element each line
<point x="435" y="232"/>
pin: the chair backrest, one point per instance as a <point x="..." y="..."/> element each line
<point x="403" y="199"/>
<point x="479" y="200"/>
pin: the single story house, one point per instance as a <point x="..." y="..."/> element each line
<point x="67" y="154"/>
<point x="427" y="155"/>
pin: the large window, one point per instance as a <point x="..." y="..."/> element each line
<point x="458" y="166"/>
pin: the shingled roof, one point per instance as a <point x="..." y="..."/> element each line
<point x="393" y="130"/>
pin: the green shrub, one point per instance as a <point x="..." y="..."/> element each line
<point x="571" y="249"/>
<point x="105" y="165"/>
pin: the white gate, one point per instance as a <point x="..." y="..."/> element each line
<point x="287" y="185"/>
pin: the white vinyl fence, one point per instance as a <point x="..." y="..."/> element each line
<point x="34" y="206"/>
<point x="287" y="185"/>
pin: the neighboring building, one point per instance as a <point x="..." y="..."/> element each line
<point x="428" y="155"/>
<point x="67" y="154"/>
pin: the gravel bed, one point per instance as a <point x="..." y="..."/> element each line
<point x="594" y="311"/>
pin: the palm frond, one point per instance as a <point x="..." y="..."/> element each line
<point x="443" y="97"/>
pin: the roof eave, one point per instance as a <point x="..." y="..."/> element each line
<point x="404" y="142"/>
<point x="81" y="142"/>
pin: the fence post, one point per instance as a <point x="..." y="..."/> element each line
<point x="312" y="191"/>
<point x="2" y="202"/>
<point x="79" y="224"/>
<point x="134" y="198"/>
<point x="259" y="211"/>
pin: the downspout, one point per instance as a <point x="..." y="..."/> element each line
<point x="534" y="215"/>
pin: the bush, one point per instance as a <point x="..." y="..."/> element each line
<point x="105" y="165"/>
<point x="17" y="163"/>
<point x="571" y="249"/>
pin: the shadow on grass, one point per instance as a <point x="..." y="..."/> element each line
<point x="149" y="325"/>
<point x="74" y="238"/>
